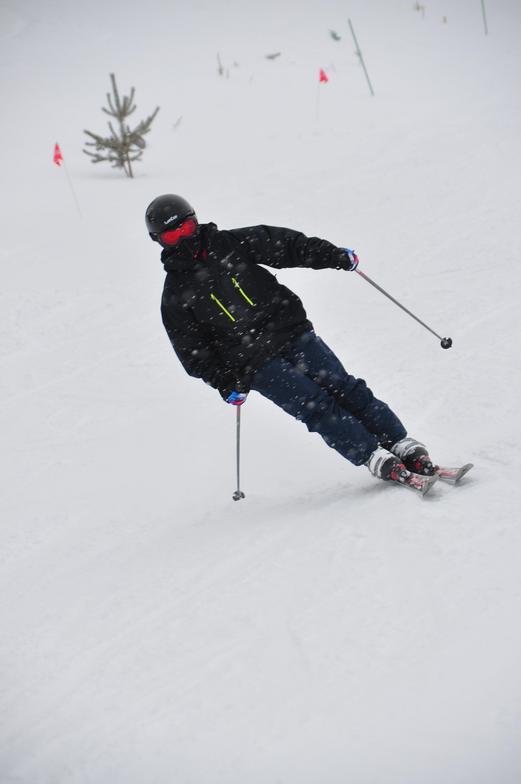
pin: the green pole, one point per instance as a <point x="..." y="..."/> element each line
<point x="361" y="57"/>
<point x="484" y="16"/>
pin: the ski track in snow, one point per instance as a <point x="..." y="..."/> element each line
<point x="328" y="627"/>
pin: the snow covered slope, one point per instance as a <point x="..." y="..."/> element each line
<point x="328" y="628"/>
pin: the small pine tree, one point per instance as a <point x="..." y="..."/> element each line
<point x="123" y="146"/>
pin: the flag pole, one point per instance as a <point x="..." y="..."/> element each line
<point x="322" y="77"/>
<point x="72" y="189"/>
<point x="58" y="160"/>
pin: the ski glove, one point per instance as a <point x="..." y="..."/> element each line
<point x="237" y="398"/>
<point x="352" y="259"/>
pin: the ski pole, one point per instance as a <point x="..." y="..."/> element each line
<point x="238" y="493"/>
<point x="444" y="342"/>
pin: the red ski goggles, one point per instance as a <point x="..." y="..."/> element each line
<point x="171" y="237"/>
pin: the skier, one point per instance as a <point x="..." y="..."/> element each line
<point x="232" y="324"/>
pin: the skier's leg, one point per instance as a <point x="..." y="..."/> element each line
<point x="297" y="394"/>
<point x="316" y="360"/>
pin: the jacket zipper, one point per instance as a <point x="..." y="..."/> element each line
<point x="222" y="307"/>
<point x="237" y="286"/>
<point x="225" y="310"/>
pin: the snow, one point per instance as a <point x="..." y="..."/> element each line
<point x="328" y="627"/>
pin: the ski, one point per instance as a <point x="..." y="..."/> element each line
<point x="419" y="484"/>
<point x="453" y="475"/>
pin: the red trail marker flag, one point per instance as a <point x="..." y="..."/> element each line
<point x="323" y="77"/>
<point x="58" y="157"/>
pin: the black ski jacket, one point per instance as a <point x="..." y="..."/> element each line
<point x="225" y="314"/>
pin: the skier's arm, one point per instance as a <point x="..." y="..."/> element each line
<point x="193" y="347"/>
<point x="189" y="342"/>
<point x="279" y="247"/>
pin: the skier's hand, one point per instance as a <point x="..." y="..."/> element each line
<point x="352" y="259"/>
<point x="237" y="398"/>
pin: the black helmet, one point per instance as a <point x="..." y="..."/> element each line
<point x="166" y="212"/>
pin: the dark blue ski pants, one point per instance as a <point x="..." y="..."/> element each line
<point x="310" y="383"/>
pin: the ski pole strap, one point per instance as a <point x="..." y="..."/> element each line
<point x="380" y="289"/>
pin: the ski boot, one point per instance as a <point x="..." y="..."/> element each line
<point x="416" y="459"/>
<point x="387" y="466"/>
<point x="384" y="465"/>
<point x="414" y="456"/>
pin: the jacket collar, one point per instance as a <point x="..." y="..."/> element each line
<point x="189" y="252"/>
